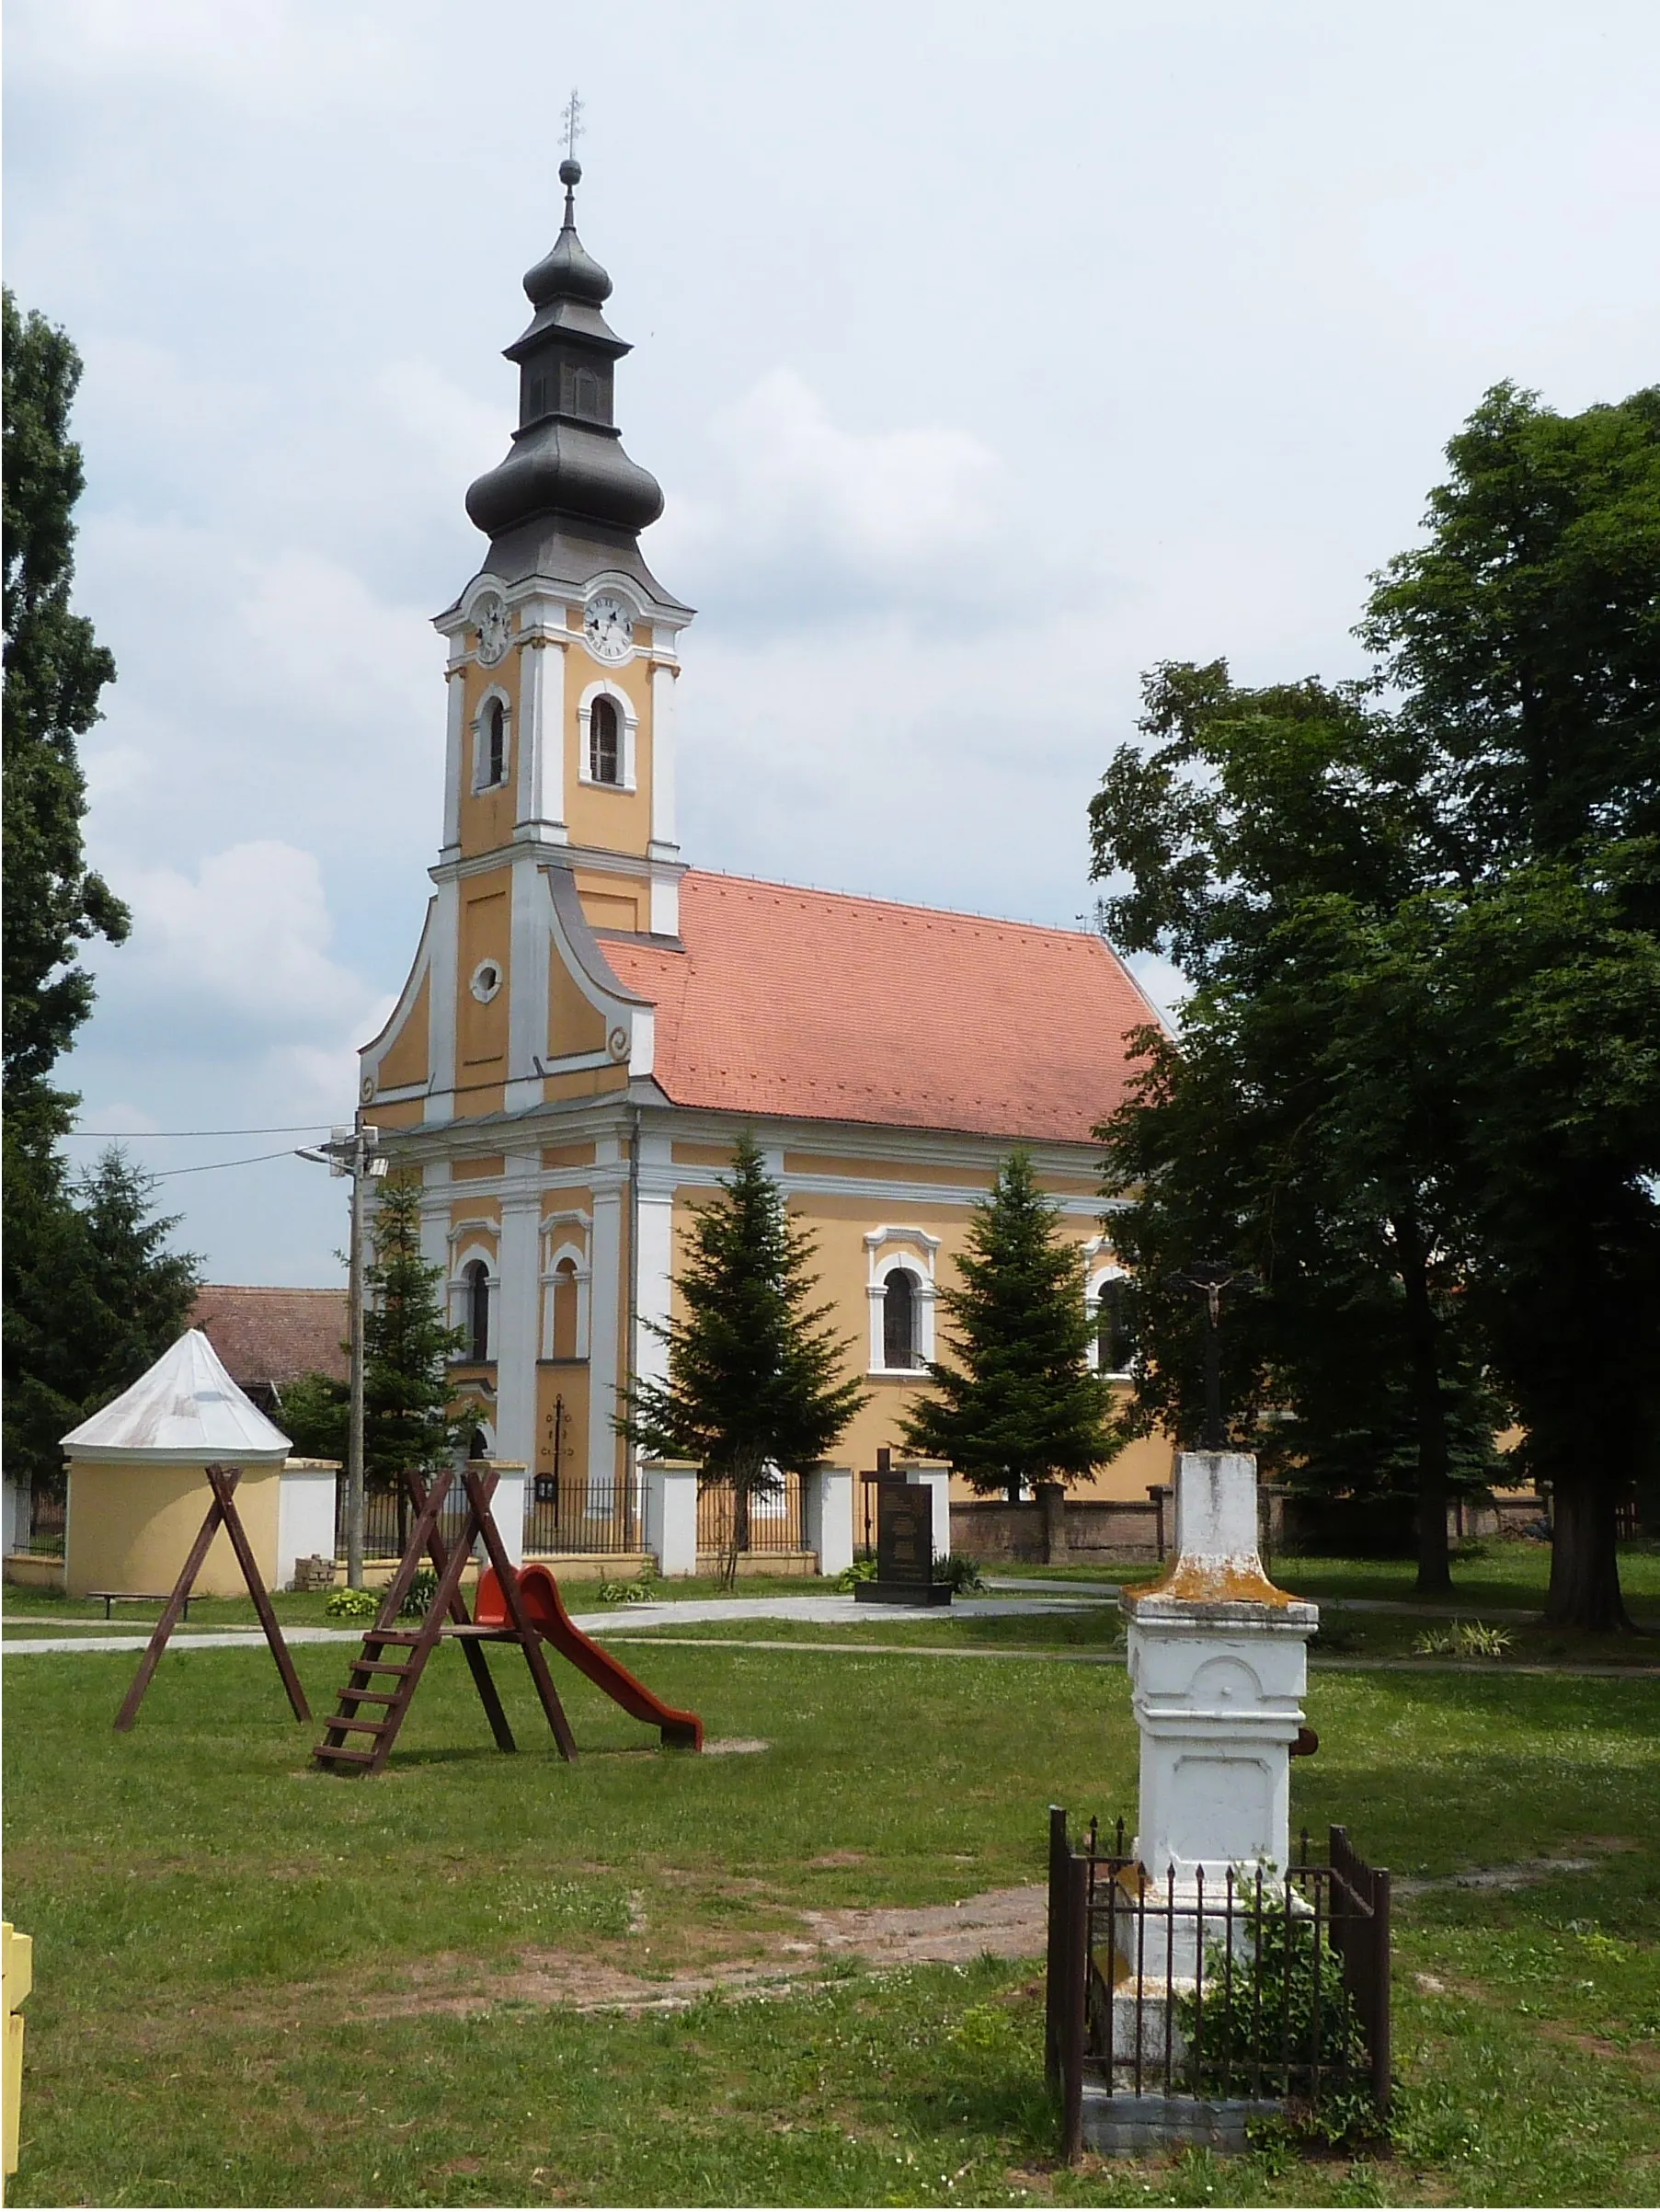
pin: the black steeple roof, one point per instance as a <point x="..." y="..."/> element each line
<point x="567" y="492"/>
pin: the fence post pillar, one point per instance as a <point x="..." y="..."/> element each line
<point x="827" y="1517"/>
<point x="509" y="1506"/>
<point x="672" y="1514"/>
<point x="1051" y="1500"/>
<point x="1075" y="1999"/>
<point x="1057" y="1945"/>
<point x="936" y="1476"/>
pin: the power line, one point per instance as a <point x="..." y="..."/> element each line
<point x="278" y="1128"/>
<point x="203" y="1167"/>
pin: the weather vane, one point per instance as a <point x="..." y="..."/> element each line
<point x="572" y="121"/>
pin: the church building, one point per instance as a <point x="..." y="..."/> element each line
<point x="590" y="1021"/>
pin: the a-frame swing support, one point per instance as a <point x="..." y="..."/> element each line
<point x="221" y="1514"/>
<point x="386" y="1674"/>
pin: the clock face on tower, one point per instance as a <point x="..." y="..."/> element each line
<point x="609" y="628"/>
<point x="491" y="615"/>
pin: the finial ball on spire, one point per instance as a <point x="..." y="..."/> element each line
<point x="570" y="173"/>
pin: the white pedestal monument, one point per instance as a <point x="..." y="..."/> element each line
<point x="1217" y="1669"/>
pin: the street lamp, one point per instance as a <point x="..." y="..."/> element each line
<point x="352" y="1152"/>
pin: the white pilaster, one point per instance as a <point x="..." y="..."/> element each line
<point x="935" y="1477"/>
<point x="541" y="781"/>
<point x="663" y="844"/>
<point x="606" y="1328"/>
<point x="527" y="1005"/>
<point x="519" y="1268"/>
<point x="507" y="1504"/>
<point x="455" y="743"/>
<point x="439" y="1102"/>
<point x="305" y="1514"/>
<point x="655" y="1265"/>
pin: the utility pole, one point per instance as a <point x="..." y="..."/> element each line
<point x="353" y="1152"/>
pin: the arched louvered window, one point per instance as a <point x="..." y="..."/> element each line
<point x="495" y="742"/>
<point x="900" y="1334"/>
<point x="475" y="1279"/>
<point x="605" y="741"/>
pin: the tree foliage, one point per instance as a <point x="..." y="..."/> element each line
<point x="755" y="1375"/>
<point x="408" y="1417"/>
<point x="56" y="670"/>
<point x="1418" y="1083"/>
<point x="93" y="1299"/>
<point x="1022" y="1405"/>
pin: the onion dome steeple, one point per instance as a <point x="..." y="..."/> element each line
<point x="568" y="476"/>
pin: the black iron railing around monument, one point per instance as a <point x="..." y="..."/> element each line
<point x="1252" y="1987"/>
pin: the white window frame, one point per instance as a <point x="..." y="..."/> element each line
<point x="913" y="1249"/>
<point x="1098" y="1269"/>
<point x="468" y="1245"/>
<point x="481" y="749"/>
<point x="565" y="1236"/>
<point x="604" y="688"/>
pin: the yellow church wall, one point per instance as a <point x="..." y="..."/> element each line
<point x="477" y="1208"/>
<point x="565" y="1155"/>
<point x="486" y="1163"/>
<point x="600" y="814"/>
<point x="487" y="816"/>
<point x="481" y="1028"/>
<point x="409" y="1058"/>
<point x="701" y="1155"/>
<point x="612" y="901"/>
<point x="404" y="1115"/>
<point x="828" y="1164"/>
<point x="585" y="1082"/>
<point x="567" y="1380"/>
<point x="130" y="1528"/>
<point x="573" y="1024"/>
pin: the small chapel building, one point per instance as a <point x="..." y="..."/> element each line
<point x="589" y="1022"/>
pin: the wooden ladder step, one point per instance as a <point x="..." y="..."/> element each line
<point x="370" y="1696"/>
<point x="381" y="1666"/>
<point x="340" y="1751"/>
<point x="392" y="1636"/>
<point x="339" y="1720"/>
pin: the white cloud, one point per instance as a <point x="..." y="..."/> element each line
<point x="815" y="518"/>
<point x="245" y="941"/>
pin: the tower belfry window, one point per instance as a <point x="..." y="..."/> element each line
<point x="475" y="1322"/>
<point x="605" y="741"/>
<point x="495" y="743"/>
<point x="900" y="1332"/>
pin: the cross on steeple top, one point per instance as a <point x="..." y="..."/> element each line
<point x="570" y="122"/>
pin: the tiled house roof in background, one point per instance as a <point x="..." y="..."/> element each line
<point x="267" y="1336"/>
<point x="814" y="1005"/>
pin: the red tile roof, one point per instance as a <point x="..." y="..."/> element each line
<point x="815" y="1005"/>
<point x="268" y="1335"/>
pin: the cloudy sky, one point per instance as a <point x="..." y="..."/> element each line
<point x="986" y="355"/>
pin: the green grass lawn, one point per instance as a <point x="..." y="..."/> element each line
<point x="251" y="1978"/>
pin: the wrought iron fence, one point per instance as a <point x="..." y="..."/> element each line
<point x="388" y="1517"/>
<point x="581" y="1513"/>
<point x="41" y="1518"/>
<point x="768" y="1522"/>
<point x="1253" y="1986"/>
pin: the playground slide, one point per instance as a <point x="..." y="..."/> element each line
<point x="546" y="1610"/>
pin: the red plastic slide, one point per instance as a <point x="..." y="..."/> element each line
<point x="547" y="1608"/>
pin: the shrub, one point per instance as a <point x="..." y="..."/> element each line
<point x="421" y="1591"/>
<point x="353" y="1604"/>
<point x="1263" y="2014"/>
<point x="961" y="1572"/>
<point x="640" y="1592"/>
<point x="1463" y="1640"/>
<point x="861" y="1570"/>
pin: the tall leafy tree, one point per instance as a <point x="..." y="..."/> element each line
<point x="755" y="1381"/>
<point x="1421" y="916"/>
<point x="1022" y="1403"/>
<point x="56" y="670"/>
<point x="92" y="1295"/>
<point x="409" y="1420"/>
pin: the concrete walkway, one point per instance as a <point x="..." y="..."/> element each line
<point x="836" y="1611"/>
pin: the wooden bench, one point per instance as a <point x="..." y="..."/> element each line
<point x="134" y="1597"/>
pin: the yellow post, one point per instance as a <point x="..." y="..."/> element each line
<point x="18" y="1974"/>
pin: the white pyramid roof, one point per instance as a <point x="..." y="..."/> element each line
<point x="185" y="1410"/>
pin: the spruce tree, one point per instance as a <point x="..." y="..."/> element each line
<point x="753" y="1390"/>
<point x="408" y="1421"/>
<point x="1024" y="1406"/>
